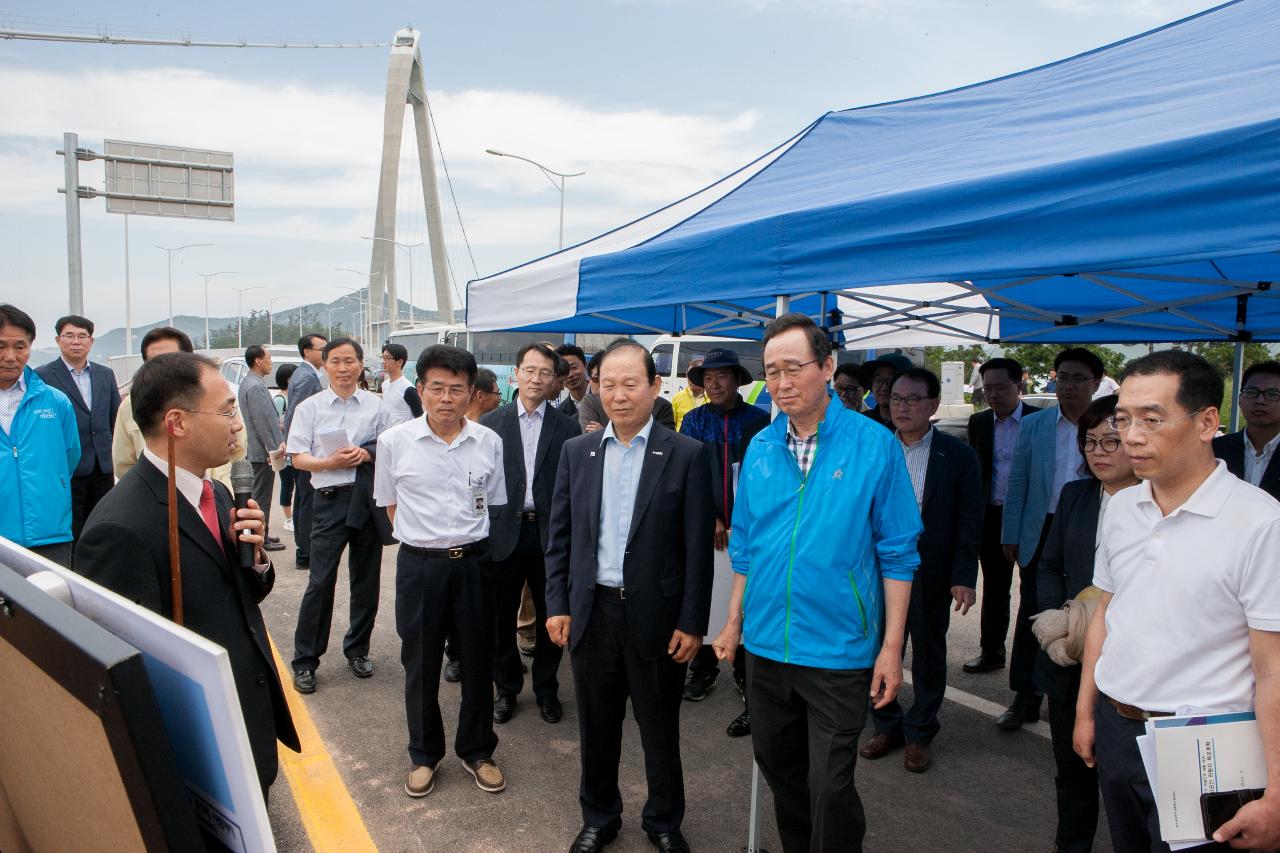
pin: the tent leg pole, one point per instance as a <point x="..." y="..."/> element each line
<point x="1237" y="370"/>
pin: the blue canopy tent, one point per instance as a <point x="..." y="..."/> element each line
<point x="1128" y="194"/>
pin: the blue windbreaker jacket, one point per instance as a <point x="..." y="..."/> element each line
<point x="37" y="457"/>
<point x="815" y="551"/>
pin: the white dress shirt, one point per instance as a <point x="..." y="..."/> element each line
<point x="358" y="415"/>
<point x="917" y="455"/>
<point x="10" y="399"/>
<point x="188" y="485"/>
<point x="84" y="382"/>
<point x="1067" y="459"/>
<point x="1002" y="443"/>
<point x="433" y="484"/>
<point x="394" y="409"/>
<point x="1255" y="464"/>
<point x="1187" y="588"/>
<point x="530" y="432"/>
<point x="622" y="467"/>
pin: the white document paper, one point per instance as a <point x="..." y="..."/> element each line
<point x="331" y="441"/>
<point x="1198" y="755"/>
<point x="1147" y="749"/>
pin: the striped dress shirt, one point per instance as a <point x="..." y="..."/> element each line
<point x="917" y="456"/>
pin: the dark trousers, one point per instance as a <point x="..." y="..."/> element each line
<point x="264" y="484"/>
<point x="436" y="597"/>
<point x="288" y="479"/>
<point x="607" y="670"/>
<point x="524" y="566"/>
<point x="330" y="534"/>
<point x="997" y="578"/>
<point x="928" y="617"/>
<point x="86" y="491"/>
<point x="1022" y="662"/>
<point x="58" y="552"/>
<point x="805" y="724"/>
<point x="1075" y="783"/>
<point x="303" y="504"/>
<point x="1126" y="791"/>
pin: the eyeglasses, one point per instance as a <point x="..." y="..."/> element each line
<point x="235" y="410"/>
<point x="792" y="370"/>
<point x="849" y="391"/>
<point x="540" y="372"/>
<point x="75" y="336"/>
<point x="486" y="391"/>
<point x="1271" y="395"/>
<point x="1121" y="423"/>
<point x="1108" y="443"/>
<point x="1074" y="378"/>
<point x="898" y="400"/>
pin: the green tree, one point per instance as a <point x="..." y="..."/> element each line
<point x="285" y="329"/>
<point x="935" y="356"/>
<point x="1037" y="359"/>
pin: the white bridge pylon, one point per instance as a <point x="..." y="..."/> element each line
<point x="404" y="86"/>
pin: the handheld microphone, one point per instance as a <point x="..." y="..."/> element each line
<point x="242" y="488"/>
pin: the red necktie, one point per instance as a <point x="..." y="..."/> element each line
<point x="209" y="510"/>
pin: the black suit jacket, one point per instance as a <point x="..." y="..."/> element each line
<point x="504" y="521"/>
<point x="1230" y="448"/>
<point x="96" y="423"/>
<point x="1066" y="568"/>
<point x="667" y="568"/>
<point x="125" y="547"/>
<point x="982" y="438"/>
<point x="952" y="514"/>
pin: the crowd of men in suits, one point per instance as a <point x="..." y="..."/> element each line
<point x="602" y="517"/>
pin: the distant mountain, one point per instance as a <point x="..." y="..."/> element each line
<point x="112" y="343"/>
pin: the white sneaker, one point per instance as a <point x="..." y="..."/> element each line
<point x="288" y="524"/>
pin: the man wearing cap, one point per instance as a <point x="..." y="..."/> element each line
<point x="726" y="424"/>
<point x="878" y="375"/>
<point x="689" y="397"/>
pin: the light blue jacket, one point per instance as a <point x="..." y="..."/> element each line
<point x="37" y="457"/>
<point x="1026" y="500"/>
<point x="816" y="551"/>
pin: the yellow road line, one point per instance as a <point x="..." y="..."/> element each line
<point x="328" y="813"/>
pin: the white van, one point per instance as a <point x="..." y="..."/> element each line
<point x="673" y="354"/>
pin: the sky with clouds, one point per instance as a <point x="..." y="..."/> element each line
<point x="651" y="98"/>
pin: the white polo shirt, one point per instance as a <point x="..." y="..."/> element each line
<point x="394" y="409"/>
<point x="1187" y="589"/>
<point x="433" y="484"/>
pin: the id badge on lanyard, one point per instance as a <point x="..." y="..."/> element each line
<point x="479" y="494"/>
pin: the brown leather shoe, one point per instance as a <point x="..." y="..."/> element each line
<point x="487" y="775"/>
<point x="880" y="746"/>
<point x="917" y="758"/>
<point x="422" y="780"/>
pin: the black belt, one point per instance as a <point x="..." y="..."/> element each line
<point x="333" y="491"/>
<point x="529" y="515"/>
<point x="456" y="553"/>
<point x="616" y="593"/>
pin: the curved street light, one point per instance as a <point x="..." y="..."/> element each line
<point x="170" y="253"/>
<point x="547" y="173"/>
<point x="206" y="276"/>
<point x="408" y="247"/>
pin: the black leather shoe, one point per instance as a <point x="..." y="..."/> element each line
<point x="302" y="565"/>
<point x="361" y="666"/>
<point x="274" y="546"/>
<point x="984" y="663"/>
<point x="669" y="842"/>
<point x="592" y="838"/>
<point x="503" y="707"/>
<point x="550" y="709"/>
<point x="452" y="671"/>
<point x="741" y="725"/>
<point x="304" y="681"/>
<point x="1017" y="714"/>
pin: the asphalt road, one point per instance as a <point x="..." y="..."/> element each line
<point x="987" y="790"/>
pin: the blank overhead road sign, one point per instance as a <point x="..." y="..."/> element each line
<point x="168" y="180"/>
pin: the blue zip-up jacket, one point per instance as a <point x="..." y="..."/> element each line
<point x="37" y="456"/>
<point x="815" y="551"/>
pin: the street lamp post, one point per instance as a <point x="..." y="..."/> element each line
<point x="366" y="323"/>
<point x="170" y="253"/>
<point x="359" y="302"/>
<point x="547" y="173"/>
<point x="271" y="318"/>
<point x="206" y="276"/>
<point x="240" y="292"/>
<point x="408" y="247"/>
